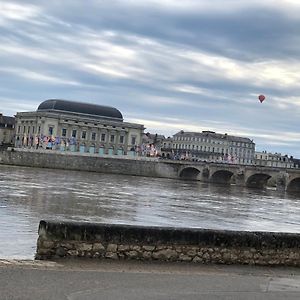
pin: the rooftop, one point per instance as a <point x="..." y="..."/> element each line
<point x="8" y="121"/>
<point x="81" y="108"/>
<point x="213" y="134"/>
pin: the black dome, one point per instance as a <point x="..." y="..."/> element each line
<point x="82" y="108"/>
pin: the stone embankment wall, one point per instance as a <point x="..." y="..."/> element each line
<point x="100" y="241"/>
<point x="127" y="165"/>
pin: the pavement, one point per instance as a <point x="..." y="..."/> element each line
<point x="90" y="279"/>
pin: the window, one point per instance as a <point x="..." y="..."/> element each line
<point x="121" y="139"/>
<point x="50" y="130"/>
<point x="103" y="137"/>
<point x="64" y="132"/>
<point x="93" y="136"/>
<point x="19" y="129"/>
<point x="28" y="129"/>
<point x="39" y="131"/>
<point x="112" y="138"/>
<point x="83" y="135"/>
<point x="133" y="140"/>
<point x="74" y="133"/>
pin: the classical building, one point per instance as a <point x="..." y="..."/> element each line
<point x="210" y="146"/>
<point x="7" y="130"/>
<point x="75" y="126"/>
<point x="268" y="159"/>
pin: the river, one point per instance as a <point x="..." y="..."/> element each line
<point x="28" y="195"/>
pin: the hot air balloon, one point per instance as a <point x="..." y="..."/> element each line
<point x="261" y="98"/>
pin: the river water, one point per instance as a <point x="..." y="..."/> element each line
<point x="28" y="195"/>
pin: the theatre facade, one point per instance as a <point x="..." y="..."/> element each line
<point x="76" y="126"/>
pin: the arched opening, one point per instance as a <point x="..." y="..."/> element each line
<point x="101" y="150"/>
<point x="120" y="151"/>
<point x="294" y="185"/>
<point x="82" y="148"/>
<point x="111" y="150"/>
<point x="258" y="180"/>
<point x="92" y="149"/>
<point x="189" y="173"/>
<point x="221" y="176"/>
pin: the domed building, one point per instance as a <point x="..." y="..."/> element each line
<point x="77" y="126"/>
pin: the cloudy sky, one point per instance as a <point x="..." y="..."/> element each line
<point x="168" y="64"/>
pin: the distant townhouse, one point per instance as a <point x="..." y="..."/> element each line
<point x="7" y="130"/>
<point x="76" y="126"/>
<point x="210" y="146"/>
<point x="296" y="162"/>
<point x="277" y="160"/>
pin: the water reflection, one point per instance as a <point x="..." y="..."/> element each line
<point x="28" y="195"/>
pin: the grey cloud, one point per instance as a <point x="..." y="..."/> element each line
<point x="158" y="50"/>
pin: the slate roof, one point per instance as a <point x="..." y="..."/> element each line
<point x="8" y="121"/>
<point x="215" y="135"/>
<point x="80" y="107"/>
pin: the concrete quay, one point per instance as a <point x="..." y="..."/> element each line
<point x="74" y="279"/>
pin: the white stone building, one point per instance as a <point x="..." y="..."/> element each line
<point x="75" y="126"/>
<point x="210" y="146"/>
<point x="268" y="159"/>
<point x="7" y="130"/>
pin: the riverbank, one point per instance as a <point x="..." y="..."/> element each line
<point x="250" y="176"/>
<point x="110" y="280"/>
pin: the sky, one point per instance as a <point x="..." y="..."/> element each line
<point x="171" y="65"/>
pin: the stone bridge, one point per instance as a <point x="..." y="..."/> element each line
<point x="242" y="175"/>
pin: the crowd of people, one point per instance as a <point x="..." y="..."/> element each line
<point x="44" y="142"/>
<point x="58" y="143"/>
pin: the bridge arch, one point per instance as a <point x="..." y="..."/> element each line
<point x="189" y="173"/>
<point x="294" y="185"/>
<point x="258" y="180"/>
<point x="221" y="176"/>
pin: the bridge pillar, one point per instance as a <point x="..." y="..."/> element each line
<point x="281" y="181"/>
<point x="240" y="178"/>
<point x="205" y="175"/>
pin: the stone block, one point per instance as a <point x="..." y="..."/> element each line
<point x="72" y="252"/>
<point x="197" y="259"/>
<point x="147" y="255"/>
<point x="111" y="255"/>
<point x="48" y="244"/>
<point x="98" y="247"/>
<point x="112" y="248"/>
<point x="84" y="247"/>
<point x="136" y="248"/>
<point x="166" y="254"/>
<point x="61" y="252"/>
<point x="149" y="248"/>
<point x="185" y="258"/>
<point x="132" y="254"/>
